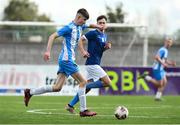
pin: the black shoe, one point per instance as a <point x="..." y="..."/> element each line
<point x="27" y="96"/>
<point x="143" y="75"/>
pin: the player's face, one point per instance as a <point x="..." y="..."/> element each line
<point x="102" y="23"/>
<point x="169" y="43"/>
<point x="81" y="20"/>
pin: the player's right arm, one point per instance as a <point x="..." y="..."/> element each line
<point x="161" y="53"/>
<point x="62" y="32"/>
<point x="157" y="58"/>
<point x="84" y="53"/>
<point x="51" y="39"/>
<point x="171" y="63"/>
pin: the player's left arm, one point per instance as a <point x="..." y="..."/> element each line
<point x="84" y="53"/>
<point x="108" y="45"/>
<point x="96" y="26"/>
<point x="170" y="63"/>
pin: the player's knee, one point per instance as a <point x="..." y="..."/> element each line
<point x="164" y="84"/>
<point x="57" y="89"/>
<point x="82" y="83"/>
<point x="161" y="85"/>
<point x="107" y="83"/>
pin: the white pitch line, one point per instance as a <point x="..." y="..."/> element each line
<point x="110" y="106"/>
<point x="48" y="112"/>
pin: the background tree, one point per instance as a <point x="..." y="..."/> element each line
<point x="20" y="10"/>
<point x="117" y="16"/>
<point x="24" y="10"/>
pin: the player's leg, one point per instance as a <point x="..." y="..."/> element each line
<point x="161" y="89"/>
<point x="70" y="106"/>
<point x="94" y="72"/>
<point x="100" y="77"/>
<point x="59" y="82"/>
<point x="102" y="82"/>
<point x="155" y="80"/>
<point x="56" y="87"/>
<point x="88" y="81"/>
<point x="82" y="97"/>
<point x="106" y="81"/>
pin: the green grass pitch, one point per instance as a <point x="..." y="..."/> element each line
<point x="50" y="110"/>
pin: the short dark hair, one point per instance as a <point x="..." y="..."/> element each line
<point x="101" y="17"/>
<point x="83" y="12"/>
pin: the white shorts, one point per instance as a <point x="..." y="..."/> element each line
<point x="95" y="72"/>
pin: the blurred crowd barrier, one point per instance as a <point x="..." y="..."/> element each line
<point x="27" y="47"/>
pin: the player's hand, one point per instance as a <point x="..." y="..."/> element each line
<point x="46" y="56"/>
<point x="165" y="65"/>
<point x="85" y="54"/>
<point x="173" y="63"/>
<point x="101" y="27"/>
<point x="107" y="45"/>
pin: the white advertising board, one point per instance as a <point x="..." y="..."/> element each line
<point x="15" y="78"/>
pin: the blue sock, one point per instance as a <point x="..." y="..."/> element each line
<point x="74" y="100"/>
<point x="97" y="84"/>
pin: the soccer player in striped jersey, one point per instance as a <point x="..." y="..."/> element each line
<point x="97" y="44"/>
<point x="67" y="65"/>
<point x="160" y="62"/>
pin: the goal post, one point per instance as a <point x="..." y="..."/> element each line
<point x="143" y="32"/>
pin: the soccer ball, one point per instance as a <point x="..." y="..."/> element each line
<point x="121" y="112"/>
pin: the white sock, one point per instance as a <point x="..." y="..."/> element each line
<point x="41" y="90"/>
<point x="82" y="99"/>
<point x="148" y="78"/>
<point x="158" y="95"/>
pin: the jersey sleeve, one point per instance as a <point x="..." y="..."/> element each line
<point x="89" y="35"/>
<point x="163" y="53"/>
<point x="85" y="26"/>
<point x="166" y="54"/>
<point x="63" y="31"/>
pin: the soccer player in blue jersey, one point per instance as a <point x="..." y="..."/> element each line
<point x="159" y="75"/>
<point x="67" y="65"/>
<point x="97" y="44"/>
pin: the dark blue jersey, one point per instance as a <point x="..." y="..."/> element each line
<point x="96" y="43"/>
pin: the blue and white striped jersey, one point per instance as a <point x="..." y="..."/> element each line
<point x="71" y="34"/>
<point x="163" y="54"/>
